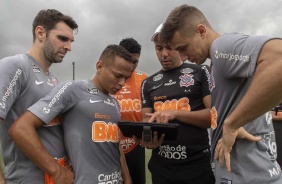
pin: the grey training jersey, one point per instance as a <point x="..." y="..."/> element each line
<point x="234" y="58"/>
<point x="91" y="133"/>
<point x="22" y="83"/>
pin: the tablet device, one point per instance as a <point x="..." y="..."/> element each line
<point x="129" y="129"/>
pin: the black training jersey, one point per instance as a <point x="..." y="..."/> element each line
<point x="182" y="88"/>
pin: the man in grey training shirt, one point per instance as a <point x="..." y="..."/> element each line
<point x="25" y="78"/>
<point x="246" y="84"/>
<point x="90" y="114"/>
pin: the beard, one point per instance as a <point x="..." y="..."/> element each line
<point x="50" y="53"/>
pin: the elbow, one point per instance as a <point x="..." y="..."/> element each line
<point x="15" y="131"/>
<point x="206" y="122"/>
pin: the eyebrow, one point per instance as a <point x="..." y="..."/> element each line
<point x="65" y="38"/>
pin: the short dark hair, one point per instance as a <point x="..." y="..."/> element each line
<point x="49" y="18"/>
<point x="131" y="45"/>
<point x="111" y="51"/>
<point x="184" y="19"/>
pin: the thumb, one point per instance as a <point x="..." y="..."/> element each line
<point x="243" y="134"/>
<point x="149" y="114"/>
<point x="252" y="138"/>
<point x="152" y="117"/>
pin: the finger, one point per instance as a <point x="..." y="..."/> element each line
<point x="221" y="155"/>
<point x="142" y="140"/>
<point x="248" y="136"/>
<point x="135" y="138"/>
<point x="216" y="152"/>
<point x="157" y="119"/>
<point x="217" y="149"/>
<point x="149" y="114"/>
<point x="166" y="119"/>
<point x="252" y="138"/>
<point x="243" y="134"/>
<point x="152" y="119"/>
<point x="161" y="139"/>
<point x="69" y="167"/>
<point x="162" y="119"/>
<point x="155" y="137"/>
<point x="227" y="161"/>
<point x="216" y="155"/>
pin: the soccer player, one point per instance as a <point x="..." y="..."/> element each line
<point x="25" y="78"/>
<point x="130" y="109"/>
<point x="90" y="114"/>
<point x="246" y="84"/>
<point x="179" y="93"/>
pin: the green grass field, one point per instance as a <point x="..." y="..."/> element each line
<point x="148" y="174"/>
<point x="1" y="163"/>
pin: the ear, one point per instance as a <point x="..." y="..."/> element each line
<point x="99" y="66"/>
<point x="202" y="30"/>
<point x="40" y="33"/>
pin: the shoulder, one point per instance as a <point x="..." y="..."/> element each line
<point x="70" y="90"/>
<point x="206" y="69"/>
<point x="240" y="39"/>
<point x="70" y="85"/>
<point x="140" y="74"/>
<point x="187" y="68"/>
<point x="16" y="60"/>
<point x="78" y="84"/>
<point x="155" y="77"/>
<point x="17" y="65"/>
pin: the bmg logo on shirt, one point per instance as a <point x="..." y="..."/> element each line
<point x="181" y="104"/>
<point x="130" y="105"/>
<point x="104" y="132"/>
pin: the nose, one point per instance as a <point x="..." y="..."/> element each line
<point x="164" y="52"/>
<point x="122" y="81"/>
<point x="183" y="56"/>
<point x="68" y="46"/>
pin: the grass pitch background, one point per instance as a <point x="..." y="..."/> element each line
<point x="148" y="173"/>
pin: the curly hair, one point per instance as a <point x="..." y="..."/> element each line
<point x="131" y="45"/>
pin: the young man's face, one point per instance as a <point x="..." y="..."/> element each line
<point x="57" y="43"/>
<point x="168" y="58"/>
<point x="135" y="58"/>
<point x="112" y="77"/>
<point x="192" y="47"/>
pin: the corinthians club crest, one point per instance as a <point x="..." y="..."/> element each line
<point x="186" y="80"/>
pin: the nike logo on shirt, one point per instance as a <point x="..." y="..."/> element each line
<point x="155" y="87"/>
<point x="38" y="82"/>
<point x="94" y="101"/>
